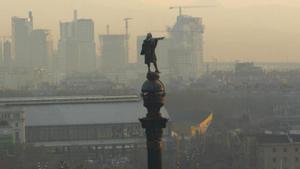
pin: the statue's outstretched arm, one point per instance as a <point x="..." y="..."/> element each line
<point x="159" y="38"/>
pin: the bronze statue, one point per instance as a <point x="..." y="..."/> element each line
<point x="148" y="49"/>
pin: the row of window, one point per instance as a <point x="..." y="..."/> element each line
<point x="82" y="133"/>
<point x="9" y="115"/>
<point x="284" y="159"/>
<point x="92" y="148"/>
<point x="285" y="149"/>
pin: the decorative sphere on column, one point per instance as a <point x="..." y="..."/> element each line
<point x="153" y="94"/>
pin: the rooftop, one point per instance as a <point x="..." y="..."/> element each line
<point x="26" y="101"/>
<point x="87" y="113"/>
<point x="278" y="138"/>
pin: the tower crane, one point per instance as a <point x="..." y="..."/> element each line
<point x="126" y="25"/>
<point x="195" y="6"/>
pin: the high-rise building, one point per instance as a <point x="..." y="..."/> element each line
<point x="67" y="50"/>
<point x="7" y="53"/>
<point x="113" y="53"/>
<point x="21" y="30"/>
<point x="186" y="47"/>
<point x="39" y="48"/>
<point x="1" y="53"/>
<point x="86" y="45"/>
<point x="77" y="48"/>
<point x="161" y="51"/>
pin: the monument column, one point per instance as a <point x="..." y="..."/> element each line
<point x="153" y="94"/>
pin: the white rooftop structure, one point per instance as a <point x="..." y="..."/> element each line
<point x="83" y="114"/>
<point x="79" y="110"/>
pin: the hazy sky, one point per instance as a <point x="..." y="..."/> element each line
<point x="248" y="30"/>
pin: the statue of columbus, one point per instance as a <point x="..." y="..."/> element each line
<point x="148" y="49"/>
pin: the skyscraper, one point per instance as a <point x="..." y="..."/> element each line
<point x="77" y="45"/>
<point x="86" y="45"/>
<point x="7" y="54"/>
<point x="21" y="30"/>
<point x="67" y="49"/>
<point x="1" y="53"/>
<point x="186" y="47"/>
<point x="113" y="53"/>
<point x="39" y="48"/>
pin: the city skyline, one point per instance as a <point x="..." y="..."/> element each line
<point x="246" y="31"/>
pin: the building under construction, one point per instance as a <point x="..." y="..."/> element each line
<point x="77" y="48"/>
<point x="113" y="53"/>
<point x="186" y="47"/>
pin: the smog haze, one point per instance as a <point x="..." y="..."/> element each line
<point x="247" y="30"/>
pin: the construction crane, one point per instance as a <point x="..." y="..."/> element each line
<point x="127" y="35"/>
<point x="181" y="7"/>
<point x="126" y="25"/>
